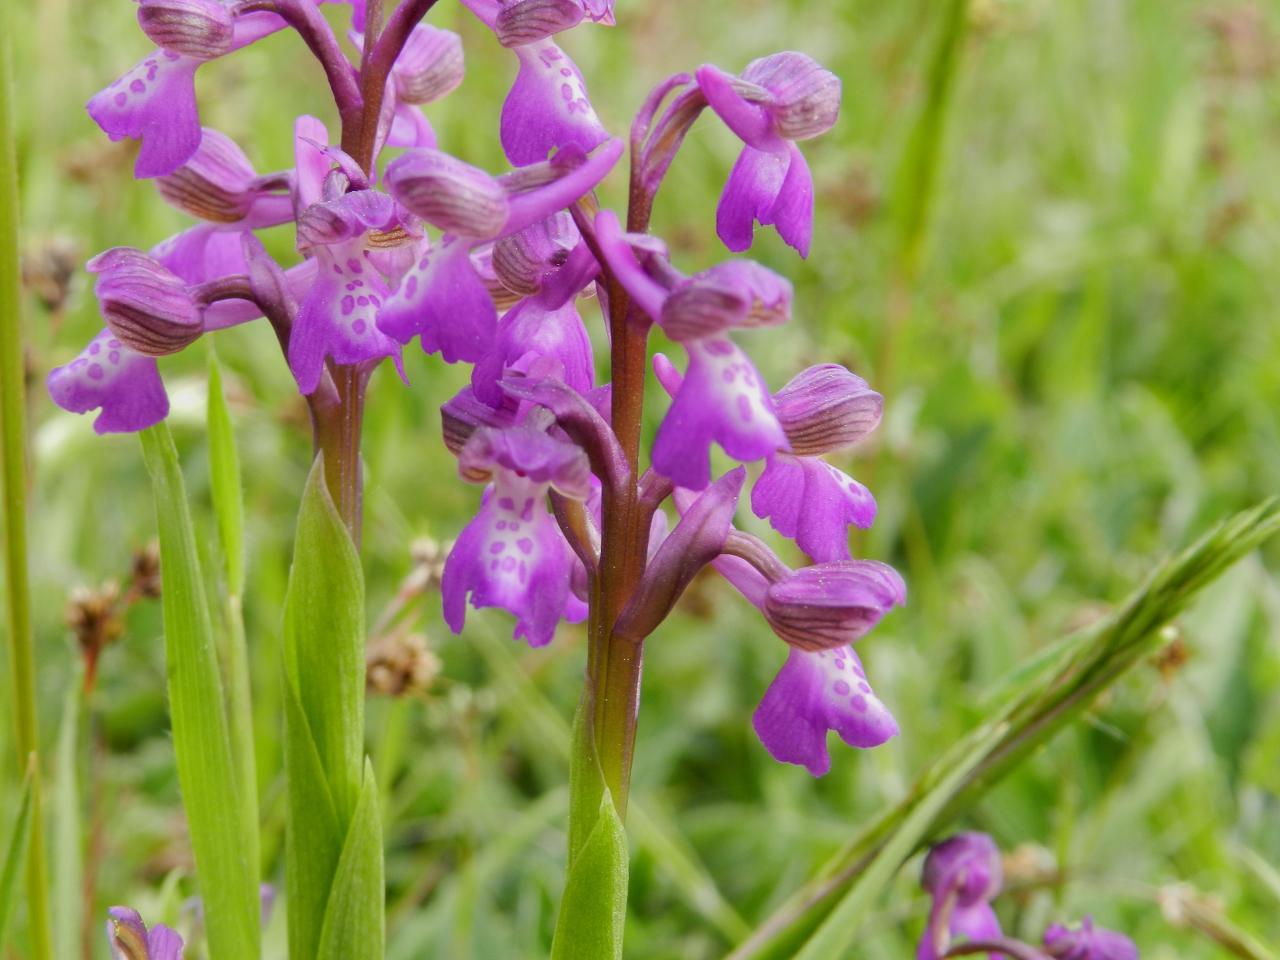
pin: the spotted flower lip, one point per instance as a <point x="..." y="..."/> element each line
<point x="195" y="28"/>
<point x="130" y="939"/>
<point x="827" y="408"/>
<point x="812" y="502"/>
<point x="155" y="101"/>
<point x="124" y="384"/>
<point x="817" y="691"/>
<point x="961" y="875"/>
<point x="1088" y="942"/>
<point x="512" y="555"/>
<point x="832" y="604"/>
<point x="146" y="306"/>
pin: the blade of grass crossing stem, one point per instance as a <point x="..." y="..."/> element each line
<point x="334" y="858"/>
<point x="68" y="871"/>
<point x="15" y="852"/>
<point x="13" y="461"/>
<point x="207" y="772"/>
<point x="228" y="507"/>
<point x="1049" y="699"/>
<point x="594" y="907"/>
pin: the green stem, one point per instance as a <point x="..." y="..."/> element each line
<point x="13" y="426"/>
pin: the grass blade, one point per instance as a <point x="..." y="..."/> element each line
<point x="228" y="507"/>
<point x="13" y="476"/>
<point x="207" y="772"/>
<point x="353" y="924"/>
<point x="15" y="852"/>
<point x="1049" y="700"/>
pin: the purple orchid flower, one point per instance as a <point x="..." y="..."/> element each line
<point x="155" y="101"/>
<point x="513" y="555"/>
<point x="822" y="410"/>
<point x="775" y="102"/>
<point x="1088" y="943"/>
<point x="822" y="686"/>
<point x="961" y="875"/>
<point x="547" y="108"/>
<point x="130" y="939"/>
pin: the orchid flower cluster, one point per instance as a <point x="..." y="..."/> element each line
<point x="962" y="875"/>
<point x="489" y="270"/>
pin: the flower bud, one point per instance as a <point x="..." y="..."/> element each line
<point x="738" y="293"/>
<point x="196" y="28"/>
<point x="528" y="21"/>
<point x="832" y="604"/>
<point x="430" y="66"/>
<point x="805" y="95"/>
<point x="447" y="193"/>
<point x="149" y="308"/>
<point x="826" y="408"/>
<point x="215" y="184"/>
<point x="523" y="259"/>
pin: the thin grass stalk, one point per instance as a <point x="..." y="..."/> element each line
<point x="13" y="423"/>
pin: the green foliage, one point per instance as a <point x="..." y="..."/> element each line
<point x="201" y="731"/>
<point x="334" y="821"/>
<point x="594" y="908"/>
<point x="15" y="852"/>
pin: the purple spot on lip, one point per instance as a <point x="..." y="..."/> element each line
<point x="525" y="545"/>
<point x="138" y="86"/>
<point x="359" y="326"/>
<point x="348" y="304"/>
<point x="95" y="348"/>
<point x="121" y="99"/>
<point x="95" y="371"/>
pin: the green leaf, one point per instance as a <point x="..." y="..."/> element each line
<point x="15" y="853"/>
<point x="353" y="922"/>
<point x="207" y="772"/>
<point x="1047" y="701"/>
<point x="224" y="480"/>
<point x="314" y="835"/>
<point x="228" y="507"/>
<point x="594" y="908"/>
<point x="324" y="636"/>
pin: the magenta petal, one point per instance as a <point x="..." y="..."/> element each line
<point x="812" y="502"/>
<point x="164" y="943"/>
<point x="548" y="107"/>
<point x="154" y="102"/>
<point x="792" y="211"/>
<point x="442" y="300"/>
<point x="338" y="316"/>
<point x="530" y="333"/>
<point x="410" y="128"/>
<point x="108" y="375"/>
<point x="1088" y="943"/>
<point x="750" y="121"/>
<point x="511" y="556"/>
<point x="814" y="693"/>
<point x="749" y="195"/>
<point x="723" y="400"/>
<point x="202" y="253"/>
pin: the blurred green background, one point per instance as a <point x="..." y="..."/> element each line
<point x="1047" y="230"/>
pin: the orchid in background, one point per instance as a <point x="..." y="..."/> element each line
<point x="962" y="875"/>
<point x="398" y="240"/>
<point x="130" y="939"/>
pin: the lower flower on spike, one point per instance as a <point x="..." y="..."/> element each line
<point x="107" y="375"/>
<point x="961" y="875"/>
<point x="815" y="692"/>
